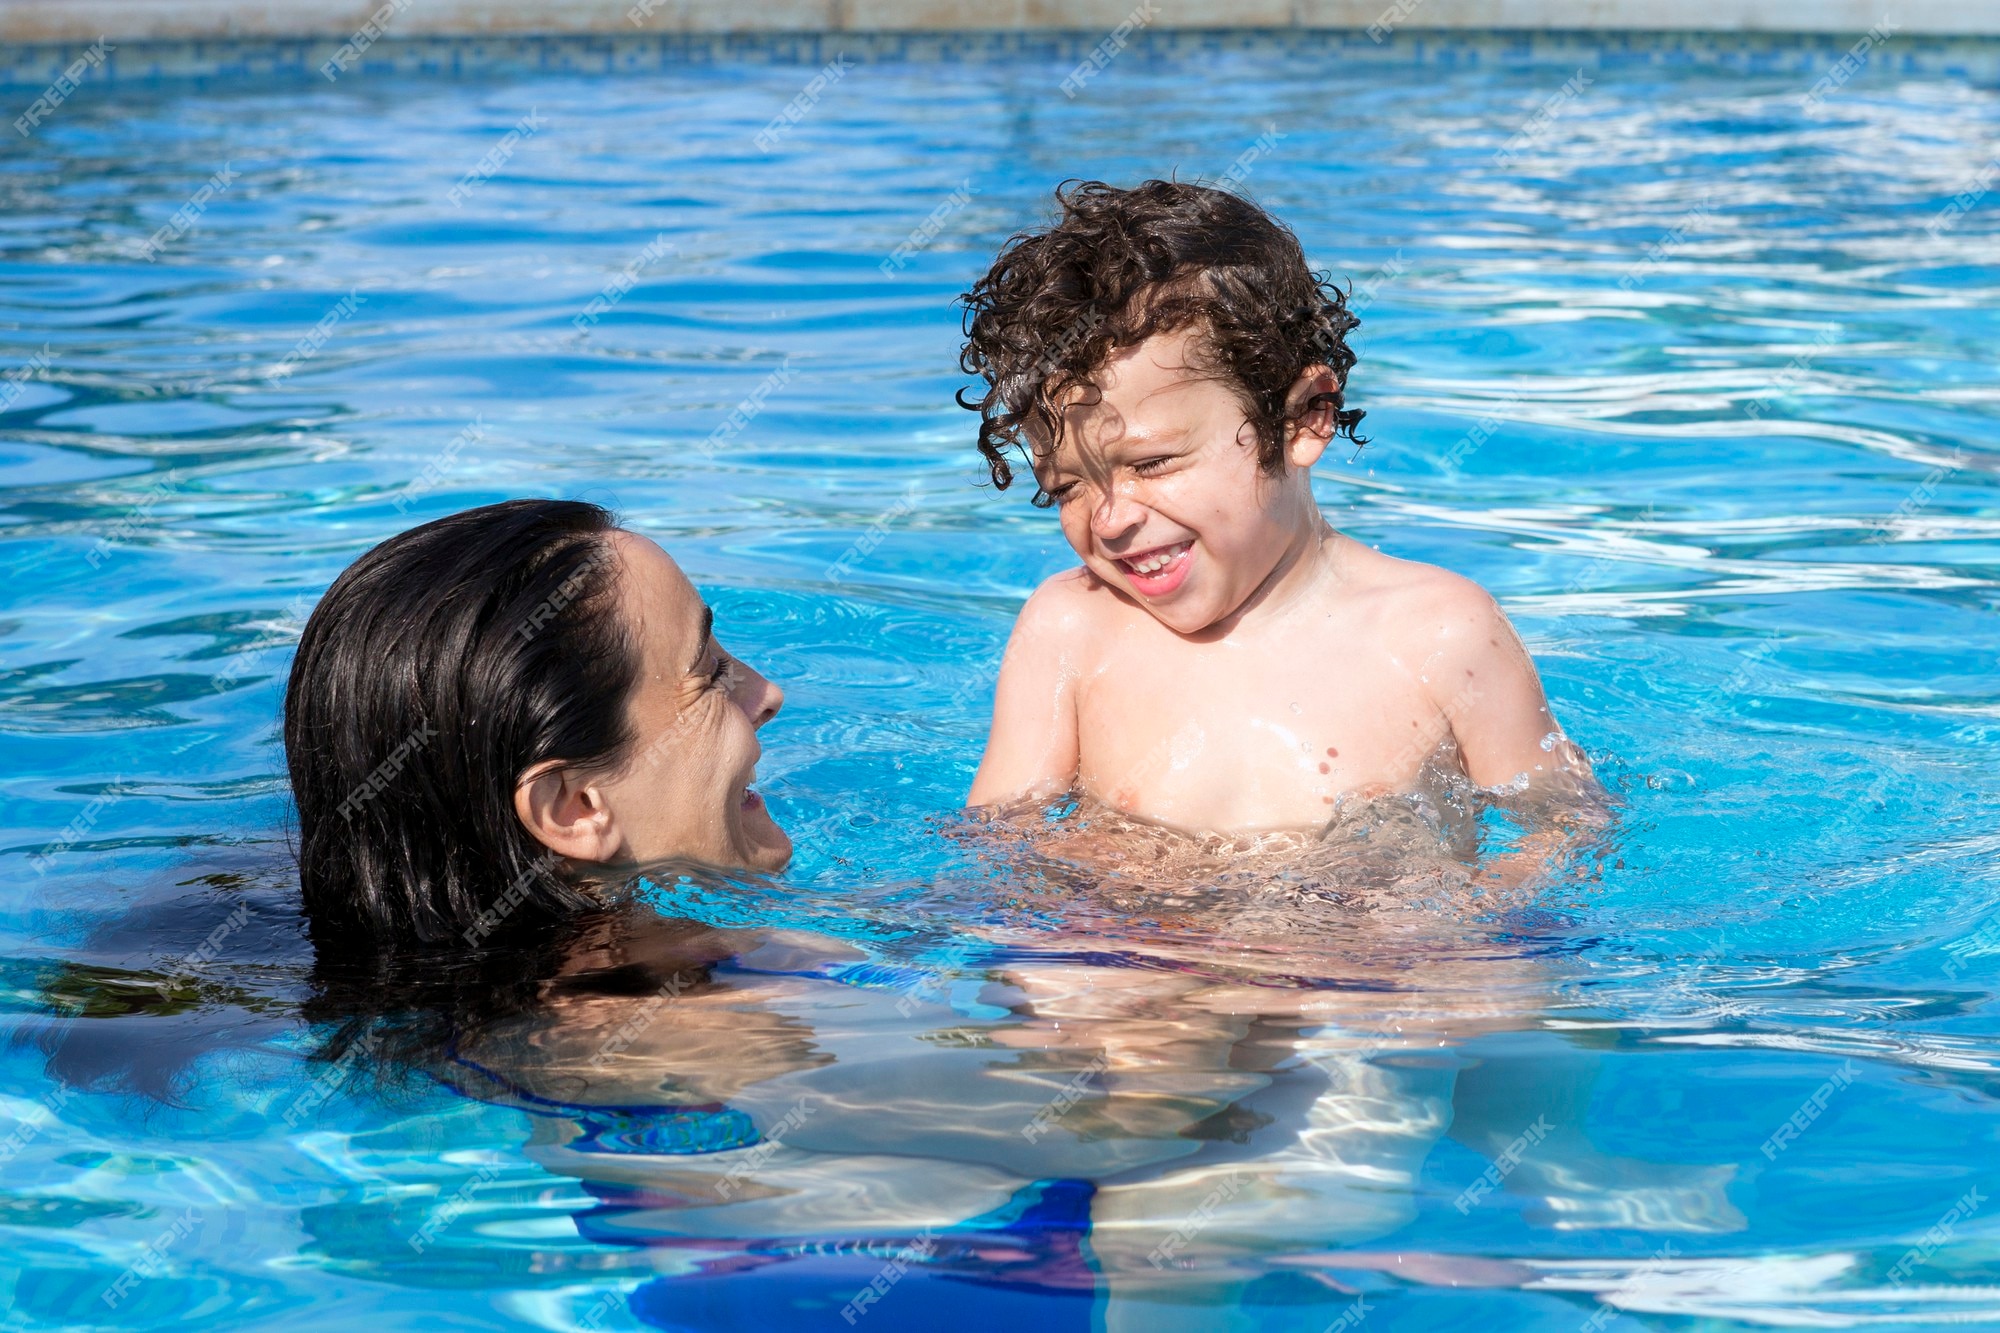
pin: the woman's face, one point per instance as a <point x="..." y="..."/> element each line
<point x="684" y="792"/>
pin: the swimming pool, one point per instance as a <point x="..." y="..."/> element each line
<point x="1691" y="368"/>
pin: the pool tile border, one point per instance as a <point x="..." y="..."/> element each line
<point x="261" y="60"/>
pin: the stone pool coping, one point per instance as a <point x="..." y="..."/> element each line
<point x="130" y="42"/>
<point x="66" y="21"/>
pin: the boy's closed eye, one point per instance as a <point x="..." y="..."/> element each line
<point x="1153" y="466"/>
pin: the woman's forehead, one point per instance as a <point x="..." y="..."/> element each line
<point x="666" y="609"/>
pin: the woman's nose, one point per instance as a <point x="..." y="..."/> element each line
<point x="759" y="699"/>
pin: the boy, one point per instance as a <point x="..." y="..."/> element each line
<point x="1224" y="659"/>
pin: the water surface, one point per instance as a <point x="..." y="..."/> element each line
<point x="1737" y="491"/>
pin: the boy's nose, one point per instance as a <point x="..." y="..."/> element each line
<point x="1116" y="514"/>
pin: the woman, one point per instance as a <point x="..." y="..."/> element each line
<point x="490" y="712"/>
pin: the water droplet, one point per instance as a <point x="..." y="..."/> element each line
<point x="1297" y="709"/>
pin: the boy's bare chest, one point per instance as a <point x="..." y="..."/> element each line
<point x="1248" y="734"/>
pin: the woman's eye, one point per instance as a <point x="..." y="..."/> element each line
<point x="1063" y="494"/>
<point x="721" y="672"/>
<point x="1146" y="467"/>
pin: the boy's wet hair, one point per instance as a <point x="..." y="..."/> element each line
<point x="1121" y="265"/>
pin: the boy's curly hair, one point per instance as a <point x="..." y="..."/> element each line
<point x="1122" y="265"/>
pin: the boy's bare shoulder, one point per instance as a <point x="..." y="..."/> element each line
<point x="1420" y="606"/>
<point x="1067" y="603"/>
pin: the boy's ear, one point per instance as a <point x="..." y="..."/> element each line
<point x="1311" y="405"/>
<point x="566" y="813"/>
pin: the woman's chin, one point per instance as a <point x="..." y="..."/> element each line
<point x="765" y="846"/>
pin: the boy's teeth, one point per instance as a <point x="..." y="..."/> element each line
<point x="1159" y="559"/>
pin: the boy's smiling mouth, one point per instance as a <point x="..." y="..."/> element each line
<point x="1157" y="572"/>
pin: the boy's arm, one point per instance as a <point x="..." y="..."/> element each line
<point x="1505" y="731"/>
<point x="1484" y="683"/>
<point x="1032" y="747"/>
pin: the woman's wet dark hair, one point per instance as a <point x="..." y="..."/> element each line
<point x="438" y="668"/>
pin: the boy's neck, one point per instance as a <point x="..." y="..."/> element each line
<point x="1297" y="571"/>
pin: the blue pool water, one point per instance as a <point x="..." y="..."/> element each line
<point x="1737" y="489"/>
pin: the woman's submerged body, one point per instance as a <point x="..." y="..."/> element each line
<point x="763" y="1091"/>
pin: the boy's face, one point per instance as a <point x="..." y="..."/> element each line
<point x="1159" y="491"/>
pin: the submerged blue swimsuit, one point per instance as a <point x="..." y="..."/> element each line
<point x="681" y="1131"/>
<point x="672" y="1131"/>
<point x="1023" y="1264"/>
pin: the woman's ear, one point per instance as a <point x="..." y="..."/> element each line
<point x="1311" y="405"/>
<point x="566" y="813"/>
